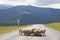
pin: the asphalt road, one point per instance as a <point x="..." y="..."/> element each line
<point x="50" y="34"/>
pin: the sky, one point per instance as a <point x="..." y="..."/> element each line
<point x="39" y="3"/>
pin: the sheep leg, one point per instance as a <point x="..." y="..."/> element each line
<point x="28" y="34"/>
<point x="19" y="32"/>
<point x="43" y="33"/>
<point x="25" y="33"/>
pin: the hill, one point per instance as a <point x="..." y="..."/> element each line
<point x="28" y="15"/>
<point x="4" y="6"/>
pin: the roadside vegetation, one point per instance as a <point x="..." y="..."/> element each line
<point x="5" y="29"/>
<point x="55" y="25"/>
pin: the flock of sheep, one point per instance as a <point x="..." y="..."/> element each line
<point x="32" y="31"/>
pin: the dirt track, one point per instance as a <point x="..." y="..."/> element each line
<point x="50" y="35"/>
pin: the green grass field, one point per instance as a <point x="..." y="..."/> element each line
<point x="5" y="29"/>
<point x="55" y="25"/>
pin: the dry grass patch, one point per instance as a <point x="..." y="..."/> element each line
<point x="55" y="25"/>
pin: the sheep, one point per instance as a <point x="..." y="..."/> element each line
<point x="25" y="31"/>
<point x="39" y="31"/>
<point x="20" y="31"/>
<point x="43" y="31"/>
<point x="35" y="31"/>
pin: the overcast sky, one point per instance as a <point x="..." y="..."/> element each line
<point x="43" y="3"/>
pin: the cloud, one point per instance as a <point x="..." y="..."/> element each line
<point x="13" y="0"/>
<point x="39" y="3"/>
<point x="46" y="2"/>
<point x="55" y="6"/>
<point x="17" y="2"/>
<point x="31" y="2"/>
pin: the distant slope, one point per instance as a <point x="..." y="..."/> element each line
<point x="29" y="15"/>
<point x="55" y="25"/>
<point x="4" y="6"/>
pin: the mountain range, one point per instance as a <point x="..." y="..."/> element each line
<point x="28" y="15"/>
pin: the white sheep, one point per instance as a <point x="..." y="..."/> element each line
<point x="25" y="31"/>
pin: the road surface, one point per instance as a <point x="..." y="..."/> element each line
<point x="50" y="35"/>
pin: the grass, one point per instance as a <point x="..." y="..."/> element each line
<point x="55" y="25"/>
<point x="5" y="29"/>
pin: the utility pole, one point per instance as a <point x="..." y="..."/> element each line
<point x="18" y="22"/>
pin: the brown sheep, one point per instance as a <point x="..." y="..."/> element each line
<point x="36" y="32"/>
<point x="39" y="31"/>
